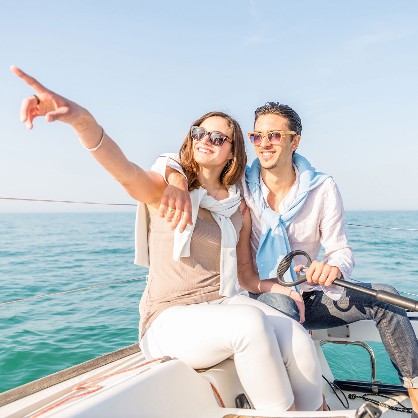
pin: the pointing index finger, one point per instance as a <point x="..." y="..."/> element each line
<point x="36" y="85"/>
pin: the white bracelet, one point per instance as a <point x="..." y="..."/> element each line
<point x="98" y="145"/>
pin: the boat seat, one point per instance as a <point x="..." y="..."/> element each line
<point x="169" y="389"/>
<point x="225" y="379"/>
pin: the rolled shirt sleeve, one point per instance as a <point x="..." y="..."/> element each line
<point x="333" y="233"/>
<point x="167" y="160"/>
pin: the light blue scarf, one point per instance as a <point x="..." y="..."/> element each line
<point x="274" y="243"/>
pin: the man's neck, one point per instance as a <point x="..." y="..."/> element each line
<point x="279" y="181"/>
<point x="279" y="178"/>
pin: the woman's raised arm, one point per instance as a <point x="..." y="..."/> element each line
<point x="142" y="185"/>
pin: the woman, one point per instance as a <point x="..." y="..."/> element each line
<point x="191" y="308"/>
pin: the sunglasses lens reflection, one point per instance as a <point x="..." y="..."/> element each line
<point x="255" y="138"/>
<point x="197" y="133"/>
<point x="217" y="139"/>
<point x="275" y="136"/>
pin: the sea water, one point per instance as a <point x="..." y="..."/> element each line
<point x="46" y="253"/>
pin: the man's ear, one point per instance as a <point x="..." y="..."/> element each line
<point x="295" y="142"/>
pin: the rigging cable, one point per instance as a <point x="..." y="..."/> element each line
<point x="65" y="201"/>
<point x="383" y="227"/>
<point x="80" y="289"/>
<point x="134" y="204"/>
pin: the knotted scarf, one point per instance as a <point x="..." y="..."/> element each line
<point x="274" y="242"/>
<point x="221" y="211"/>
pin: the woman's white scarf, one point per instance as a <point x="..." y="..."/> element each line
<point x="221" y="211"/>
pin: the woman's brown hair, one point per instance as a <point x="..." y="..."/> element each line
<point x="234" y="168"/>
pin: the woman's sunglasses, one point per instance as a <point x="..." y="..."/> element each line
<point x="274" y="137"/>
<point x="214" y="138"/>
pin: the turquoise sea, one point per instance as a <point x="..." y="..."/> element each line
<point x="44" y="253"/>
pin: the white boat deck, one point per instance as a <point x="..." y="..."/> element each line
<point x="128" y="387"/>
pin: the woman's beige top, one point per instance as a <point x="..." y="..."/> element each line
<point x="193" y="279"/>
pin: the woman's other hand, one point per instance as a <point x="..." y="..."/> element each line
<point x="176" y="205"/>
<point x="297" y="297"/>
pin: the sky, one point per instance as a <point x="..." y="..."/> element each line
<point x="148" y="69"/>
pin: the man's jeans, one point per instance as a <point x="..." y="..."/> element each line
<point x="394" y="327"/>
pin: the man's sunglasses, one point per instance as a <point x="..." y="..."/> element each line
<point x="274" y="137"/>
<point x="214" y="138"/>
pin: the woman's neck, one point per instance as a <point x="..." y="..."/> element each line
<point x="209" y="180"/>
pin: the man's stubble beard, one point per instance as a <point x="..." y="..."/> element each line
<point x="269" y="167"/>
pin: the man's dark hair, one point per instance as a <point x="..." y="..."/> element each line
<point x="276" y="108"/>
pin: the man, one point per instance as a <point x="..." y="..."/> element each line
<point x="295" y="207"/>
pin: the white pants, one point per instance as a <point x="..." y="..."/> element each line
<point x="274" y="356"/>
